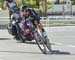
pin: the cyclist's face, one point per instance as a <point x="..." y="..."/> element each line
<point x="17" y="11"/>
<point x="25" y="12"/>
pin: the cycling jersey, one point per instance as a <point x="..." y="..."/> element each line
<point x="11" y="5"/>
<point x="33" y="13"/>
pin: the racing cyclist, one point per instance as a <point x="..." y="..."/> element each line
<point x="30" y="13"/>
<point x="11" y="4"/>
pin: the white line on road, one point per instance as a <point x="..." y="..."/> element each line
<point x="1" y="59"/>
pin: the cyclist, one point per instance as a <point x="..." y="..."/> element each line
<point x="16" y="16"/>
<point x="11" y="4"/>
<point x="30" y="13"/>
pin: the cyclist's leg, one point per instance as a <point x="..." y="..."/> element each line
<point x="10" y="13"/>
<point x="37" y="23"/>
<point x="9" y="16"/>
<point x="42" y="29"/>
<point x="15" y="31"/>
<point x="17" y="36"/>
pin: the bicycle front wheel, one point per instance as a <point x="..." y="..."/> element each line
<point x="40" y="42"/>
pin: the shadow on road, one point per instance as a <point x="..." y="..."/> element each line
<point x="57" y="52"/>
<point x="5" y="39"/>
<point x="31" y="42"/>
<point x="21" y="52"/>
<point x="49" y="53"/>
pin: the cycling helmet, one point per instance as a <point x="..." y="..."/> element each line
<point x="24" y="7"/>
<point x="16" y="9"/>
<point x="10" y="1"/>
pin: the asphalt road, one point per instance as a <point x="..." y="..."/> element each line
<point x="62" y="39"/>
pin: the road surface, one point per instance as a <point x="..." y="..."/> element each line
<point x="62" y="39"/>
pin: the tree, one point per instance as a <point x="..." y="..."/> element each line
<point x="57" y="2"/>
<point x="73" y="2"/>
<point x="37" y="3"/>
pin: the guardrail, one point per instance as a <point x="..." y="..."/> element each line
<point x="57" y="19"/>
<point x="45" y="20"/>
<point x="4" y="22"/>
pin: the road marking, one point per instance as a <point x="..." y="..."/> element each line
<point x="64" y="44"/>
<point x="71" y="46"/>
<point x="1" y="59"/>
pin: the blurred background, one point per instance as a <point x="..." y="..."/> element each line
<point x="49" y="7"/>
<point x="52" y="12"/>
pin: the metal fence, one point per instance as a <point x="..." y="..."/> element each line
<point x="4" y="22"/>
<point x="44" y="20"/>
<point x="58" y="19"/>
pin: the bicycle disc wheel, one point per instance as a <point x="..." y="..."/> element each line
<point x="47" y="42"/>
<point x="40" y="42"/>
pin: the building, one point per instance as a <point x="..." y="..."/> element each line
<point x="62" y="8"/>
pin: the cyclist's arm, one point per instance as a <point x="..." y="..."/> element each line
<point x="15" y="1"/>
